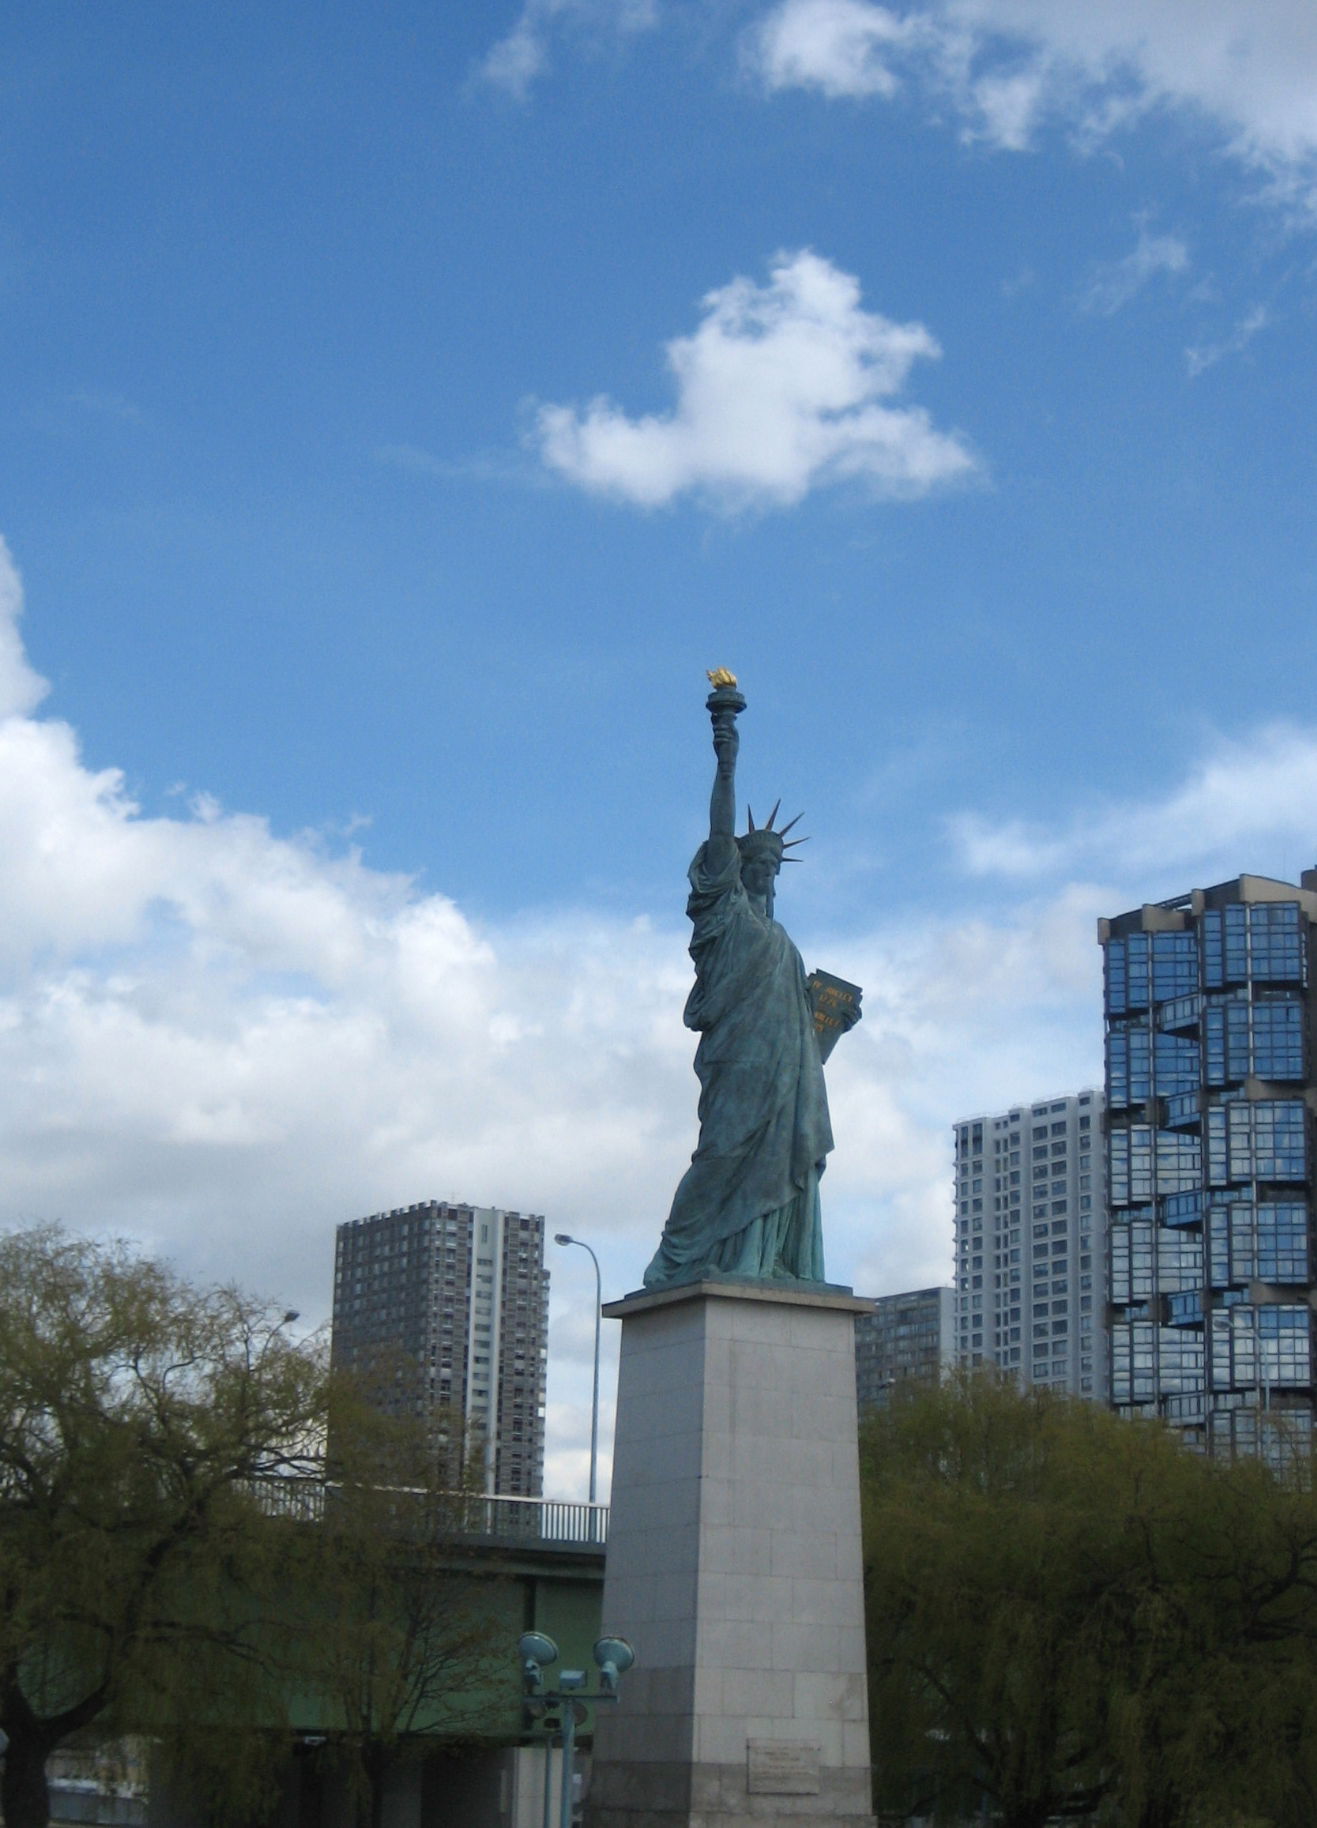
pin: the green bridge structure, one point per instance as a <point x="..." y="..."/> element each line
<point x="517" y="1565"/>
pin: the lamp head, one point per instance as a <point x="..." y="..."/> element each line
<point x="536" y="1652"/>
<point x="535" y="1647"/>
<point x="615" y="1656"/>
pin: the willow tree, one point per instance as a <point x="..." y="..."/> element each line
<point x="143" y="1425"/>
<point x="1071" y="1615"/>
<point x="406" y="1628"/>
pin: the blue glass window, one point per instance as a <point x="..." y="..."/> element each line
<point x="1219" y="1266"/>
<point x="1233" y="1358"/>
<point x="1182" y="1208"/>
<point x="1182" y="1013"/>
<point x="1179" y="1162"/>
<point x="1284" y="1336"/>
<point x="1179" y="1261"/>
<point x="1282" y="1242"/>
<point x="1174" y="965"/>
<point x="1145" y="1356"/>
<point x="1267" y="1141"/>
<point x="1128" y="1052"/>
<point x="1118" y="1068"/>
<point x="1270" y="1243"/>
<point x="1225" y="1028"/>
<point x="1275" y="930"/>
<point x="1243" y="1241"/>
<point x="1186" y="1309"/>
<point x="1183" y="1108"/>
<point x="1133" y="1363"/>
<point x="1136" y="1254"/>
<point x="1278" y="1039"/>
<point x="1218" y="1155"/>
<point x="1225" y="947"/>
<point x="1177" y="1064"/>
<point x="1136" y="971"/>
<point x="1181" y="1356"/>
<point x="1120" y="1264"/>
<point x="1236" y="944"/>
<point x="1117" y="1000"/>
<point x="1131" y="1165"/>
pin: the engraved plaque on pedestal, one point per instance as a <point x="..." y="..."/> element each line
<point x="781" y="1767"/>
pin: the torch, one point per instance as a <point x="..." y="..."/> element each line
<point x="724" y="703"/>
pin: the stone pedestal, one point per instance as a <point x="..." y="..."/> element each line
<point x="734" y="1565"/>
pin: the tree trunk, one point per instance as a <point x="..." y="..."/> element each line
<point x="374" y="1765"/>
<point x="24" y="1792"/>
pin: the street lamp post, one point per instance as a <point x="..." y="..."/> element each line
<point x="614" y="1657"/>
<point x="561" y="1237"/>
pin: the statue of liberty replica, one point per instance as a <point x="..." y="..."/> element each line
<point x="735" y="1562"/>
<point x="748" y="1204"/>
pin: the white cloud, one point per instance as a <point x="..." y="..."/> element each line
<point x="522" y="54"/>
<point x="783" y="388"/>
<point x="1246" y="796"/>
<point x="20" y="688"/>
<point x="1206" y="355"/>
<point x="222" y="1041"/>
<point x="1115" y="282"/>
<point x="843" y="47"/>
<point x="1245" y="68"/>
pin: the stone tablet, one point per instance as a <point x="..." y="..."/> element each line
<point x="836" y="1006"/>
<point x="781" y="1767"/>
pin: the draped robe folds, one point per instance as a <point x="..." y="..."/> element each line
<point x="749" y="1203"/>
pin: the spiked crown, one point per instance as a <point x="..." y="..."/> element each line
<point x="764" y="838"/>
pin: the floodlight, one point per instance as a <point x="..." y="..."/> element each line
<point x="615" y="1657"/>
<point x="535" y="1650"/>
<point x="535" y="1647"/>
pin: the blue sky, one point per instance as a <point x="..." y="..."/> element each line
<point x="404" y="405"/>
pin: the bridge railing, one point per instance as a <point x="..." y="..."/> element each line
<point x="548" y="1520"/>
<point x="492" y="1517"/>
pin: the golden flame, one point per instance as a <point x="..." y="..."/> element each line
<point x="721" y="677"/>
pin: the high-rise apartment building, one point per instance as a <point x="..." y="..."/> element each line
<point x="1031" y="1243"/>
<point x="461" y="1295"/>
<point x="1210" y="1093"/>
<point x="908" y="1339"/>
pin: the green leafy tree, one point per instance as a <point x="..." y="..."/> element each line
<point x="143" y="1424"/>
<point x="1211" y="1650"/>
<point x="406" y="1633"/>
<point x="979" y="1587"/>
<point x="1071" y="1615"/>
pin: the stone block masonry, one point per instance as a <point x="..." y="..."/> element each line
<point x="734" y="1564"/>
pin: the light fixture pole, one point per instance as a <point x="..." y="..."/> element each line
<point x="561" y="1237"/>
<point x="560" y="1711"/>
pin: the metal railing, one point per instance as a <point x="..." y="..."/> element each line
<point x="490" y="1516"/>
<point x="555" y="1520"/>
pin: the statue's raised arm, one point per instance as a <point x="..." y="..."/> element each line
<point x="749" y="1203"/>
<point x="725" y="704"/>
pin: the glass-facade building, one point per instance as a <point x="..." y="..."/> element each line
<point x="1209" y="1038"/>
<point x="908" y="1338"/>
<point x="1031" y="1246"/>
<point x="455" y="1300"/>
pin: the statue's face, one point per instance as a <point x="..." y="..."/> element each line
<point x="758" y="872"/>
